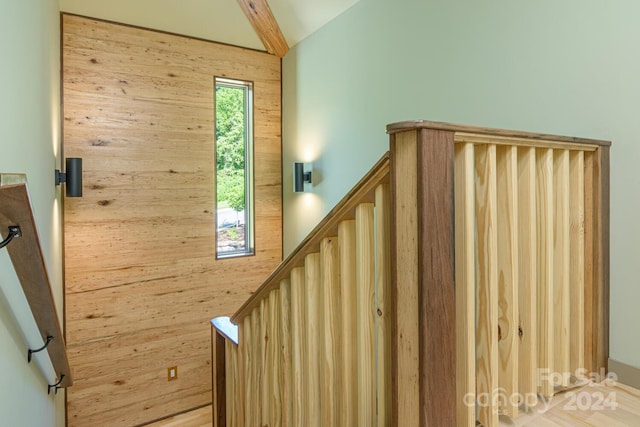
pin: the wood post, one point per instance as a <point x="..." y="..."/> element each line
<point x="424" y="325"/>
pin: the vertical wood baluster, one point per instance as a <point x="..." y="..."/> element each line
<point x="576" y="276"/>
<point x="314" y="332"/>
<point x="383" y="302"/>
<point x="487" y="289"/>
<point x="365" y="288"/>
<point x="298" y="347"/>
<point x="528" y="273"/>
<point x="465" y="254"/>
<point x="331" y="380"/>
<point x="347" y="250"/>
<point x="507" y="197"/>
<point x="545" y="310"/>
<point x="286" y="379"/>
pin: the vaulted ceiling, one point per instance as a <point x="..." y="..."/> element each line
<point x="218" y="20"/>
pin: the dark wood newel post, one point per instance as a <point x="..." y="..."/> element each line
<point x="424" y="353"/>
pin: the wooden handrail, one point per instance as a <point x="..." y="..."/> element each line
<point x="26" y="255"/>
<point x="363" y="191"/>
<point x="451" y="127"/>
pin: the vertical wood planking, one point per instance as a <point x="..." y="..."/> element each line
<point x="561" y="247"/>
<point x="545" y="213"/>
<point x="596" y="237"/>
<point x="347" y="250"/>
<point x="406" y="363"/>
<point x="231" y="356"/>
<point x="266" y="362"/>
<point x="589" y="254"/>
<point x="577" y="264"/>
<point x="487" y="289"/>
<point x="257" y="346"/>
<point x="286" y="380"/>
<point x="383" y="303"/>
<point x="241" y="385"/>
<point x="331" y="380"/>
<point x="527" y="274"/>
<point x="220" y="379"/>
<point x="601" y="260"/>
<point x="250" y="385"/>
<point x="314" y="332"/>
<point x="465" y="254"/>
<point x="298" y="347"/>
<point x="507" y="216"/>
<point x="274" y="363"/>
<point x="365" y="288"/>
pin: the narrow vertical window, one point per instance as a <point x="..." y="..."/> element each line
<point x="234" y="167"/>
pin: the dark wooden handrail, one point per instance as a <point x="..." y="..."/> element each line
<point x="26" y="255"/>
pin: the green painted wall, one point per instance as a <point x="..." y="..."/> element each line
<point x="29" y="131"/>
<point x="570" y="67"/>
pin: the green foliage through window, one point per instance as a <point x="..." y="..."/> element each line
<point x="233" y="166"/>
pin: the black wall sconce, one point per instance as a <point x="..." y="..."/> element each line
<point x="301" y="176"/>
<point x="72" y="177"/>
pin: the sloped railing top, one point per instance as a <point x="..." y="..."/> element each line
<point x="26" y="255"/>
<point x="363" y="191"/>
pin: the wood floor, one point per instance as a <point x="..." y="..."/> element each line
<point x="596" y="405"/>
<point x="197" y="418"/>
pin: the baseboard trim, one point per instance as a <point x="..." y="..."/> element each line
<point x="627" y="374"/>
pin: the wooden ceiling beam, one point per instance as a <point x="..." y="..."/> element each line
<point x="265" y="25"/>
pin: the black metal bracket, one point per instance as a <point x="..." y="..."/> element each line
<point x="55" y="386"/>
<point x="49" y="339"/>
<point x="14" y="231"/>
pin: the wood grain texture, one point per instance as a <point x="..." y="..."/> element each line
<point x="527" y="276"/>
<point x="564" y="411"/>
<point x="405" y="294"/>
<point x="233" y="386"/>
<point x="365" y="329"/>
<point x="362" y="192"/>
<point x="493" y="132"/>
<point x="436" y="278"/>
<point x="507" y="225"/>
<point x="601" y="259"/>
<point x="486" y="285"/>
<point x="265" y="25"/>
<point x="286" y="381"/>
<point x="28" y="262"/>
<point x="299" y="347"/>
<point x="265" y="381"/>
<point x="200" y="417"/>
<point x="465" y="255"/>
<point x="576" y="260"/>
<point x="383" y="303"/>
<point x="331" y="381"/>
<point x="274" y="364"/>
<point x="249" y="385"/>
<point x="590" y="245"/>
<point x="138" y="108"/>
<point x="314" y="339"/>
<point x="544" y="298"/>
<point x="561" y="263"/>
<point x="348" y="309"/>
<point x="218" y="378"/>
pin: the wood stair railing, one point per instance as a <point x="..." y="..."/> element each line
<point x="28" y="262"/>
<point x="315" y="334"/>
<point x="465" y="276"/>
